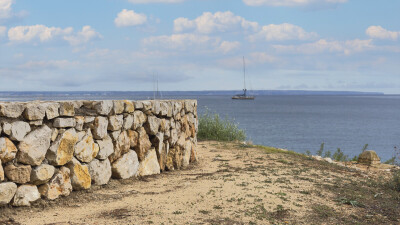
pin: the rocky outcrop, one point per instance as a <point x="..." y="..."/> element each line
<point x="369" y="157"/>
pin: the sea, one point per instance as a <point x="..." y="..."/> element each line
<point x="295" y="122"/>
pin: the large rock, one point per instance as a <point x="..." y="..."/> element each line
<point x="42" y="174"/>
<point x="62" y="149"/>
<point x="152" y="125"/>
<point x="19" y="174"/>
<point x="129" y="106"/>
<point x="121" y="146"/>
<point x="186" y="153"/>
<point x="18" y="130"/>
<point x="126" y="166"/>
<point x="139" y="118"/>
<point x="86" y="149"/>
<point x="128" y="122"/>
<point x="369" y="158"/>
<point x="79" y="121"/>
<point x="104" y="107"/>
<point x="106" y="148"/>
<point x="100" y="127"/>
<point x="33" y="148"/>
<point x="8" y="151"/>
<point x="169" y="165"/>
<point x="64" y="122"/>
<point x="7" y="192"/>
<point x="52" y="110"/>
<point x="158" y="142"/>
<point x="59" y="185"/>
<point x="115" y="122"/>
<point x="1" y="172"/>
<point x="100" y="171"/>
<point x="80" y="176"/>
<point x="25" y="195"/>
<point x="193" y="154"/>
<point x="133" y="137"/>
<point x="149" y="165"/>
<point x="118" y="107"/>
<point x="12" y="110"/>
<point x="143" y="145"/>
<point x="35" y="111"/>
<point x="67" y="109"/>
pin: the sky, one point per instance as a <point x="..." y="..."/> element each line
<point x="121" y="45"/>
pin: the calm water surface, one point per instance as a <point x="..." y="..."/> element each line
<point x="299" y="123"/>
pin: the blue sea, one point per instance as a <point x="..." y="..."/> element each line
<point x="298" y="123"/>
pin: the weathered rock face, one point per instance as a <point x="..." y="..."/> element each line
<point x="126" y="166"/>
<point x="7" y="192"/>
<point x="369" y="158"/>
<point x="149" y="165"/>
<point x="62" y="150"/>
<point x="59" y="185"/>
<point x="56" y="147"/>
<point x="25" y="195"/>
<point x="80" y="176"/>
<point x="33" y="148"/>
<point x="42" y="174"/>
<point x="8" y="151"/>
<point x="19" y="174"/>
<point x="100" y="127"/>
<point x="106" y="148"/>
<point x="143" y="145"/>
<point x="86" y="149"/>
<point x="100" y="171"/>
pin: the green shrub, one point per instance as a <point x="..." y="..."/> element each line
<point x="213" y="127"/>
<point x="394" y="183"/>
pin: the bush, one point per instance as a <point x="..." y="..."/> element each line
<point x="212" y="127"/>
<point x="394" y="183"/>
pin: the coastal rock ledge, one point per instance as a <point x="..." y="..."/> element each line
<point x="50" y="148"/>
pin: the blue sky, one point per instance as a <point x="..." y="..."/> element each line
<point x="48" y="45"/>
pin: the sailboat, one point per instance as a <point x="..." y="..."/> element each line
<point x="244" y="96"/>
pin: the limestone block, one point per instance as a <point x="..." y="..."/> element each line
<point x="1" y="172"/>
<point x="133" y="137"/>
<point x="158" y="142"/>
<point x="7" y="192"/>
<point x="138" y="105"/>
<point x="147" y="105"/>
<point x="67" y="108"/>
<point x="19" y="174"/>
<point x="152" y="125"/>
<point x="86" y="149"/>
<point x="35" y="111"/>
<point x="126" y="166"/>
<point x="193" y="154"/>
<point x="80" y="121"/>
<point x="80" y="176"/>
<point x="7" y="128"/>
<point x="174" y="137"/>
<point x="164" y="109"/>
<point x="118" y="107"/>
<point x="36" y="122"/>
<point x="33" y="148"/>
<point x="115" y="122"/>
<point x="104" y="107"/>
<point x="54" y="134"/>
<point x="178" y="157"/>
<point x="121" y="146"/>
<point x="42" y="174"/>
<point x="149" y="165"/>
<point x="186" y="153"/>
<point x="25" y="195"/>
<point x="59" y="185"/>
<point x="128" y="122"/>
<point x="139" y="118"/>
<point x="12" y="110"/>
<point x="129" y="106"/>
<point x="369" y="157"/>
<point x="64" y="122"/>
<point x="62" y="149"/>
<point x="106" y="148"/>
<point x="100" y="127"/>
<point x="169" y="109"/>
<point x="8" y="151"/>
<point x="100" y="171"/>
<point x="156" y="110"/>
<point x="177" y="109"/>
<point x="89" y="119"/>
<point x="52" y="110"/>
<point x="143" y="145"/>
<point x="18" y="130"/>
<point x="189" y="106"/>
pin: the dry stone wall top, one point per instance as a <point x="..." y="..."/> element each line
<point x="48" y="149"/>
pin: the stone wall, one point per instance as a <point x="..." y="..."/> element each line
<point x="48" y="149"/>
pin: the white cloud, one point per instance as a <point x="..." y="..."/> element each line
<point x="5" y="8"/>
<point x="282" y="32"/>
<point x="179" y="41"/>
<point x="48" y="65"/>
<point x="3" y="30"/>
<point x="378" y="32"/>
<point x="228" y="46"/>
<point x="155" y="1"/>
<point x="290" y="2"/>
<point x="324" y="46"/>
<point x="85" y="35"/>
<point x="128" y="18"/>
<point x="42" y="33"/>
<point x="218" y="22"/>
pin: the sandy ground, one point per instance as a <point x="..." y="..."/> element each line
<point x="231" y="184"/>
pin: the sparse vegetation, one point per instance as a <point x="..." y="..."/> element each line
<point x="213" y="127"/>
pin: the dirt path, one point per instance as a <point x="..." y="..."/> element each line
<point x="231" y="184"/>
